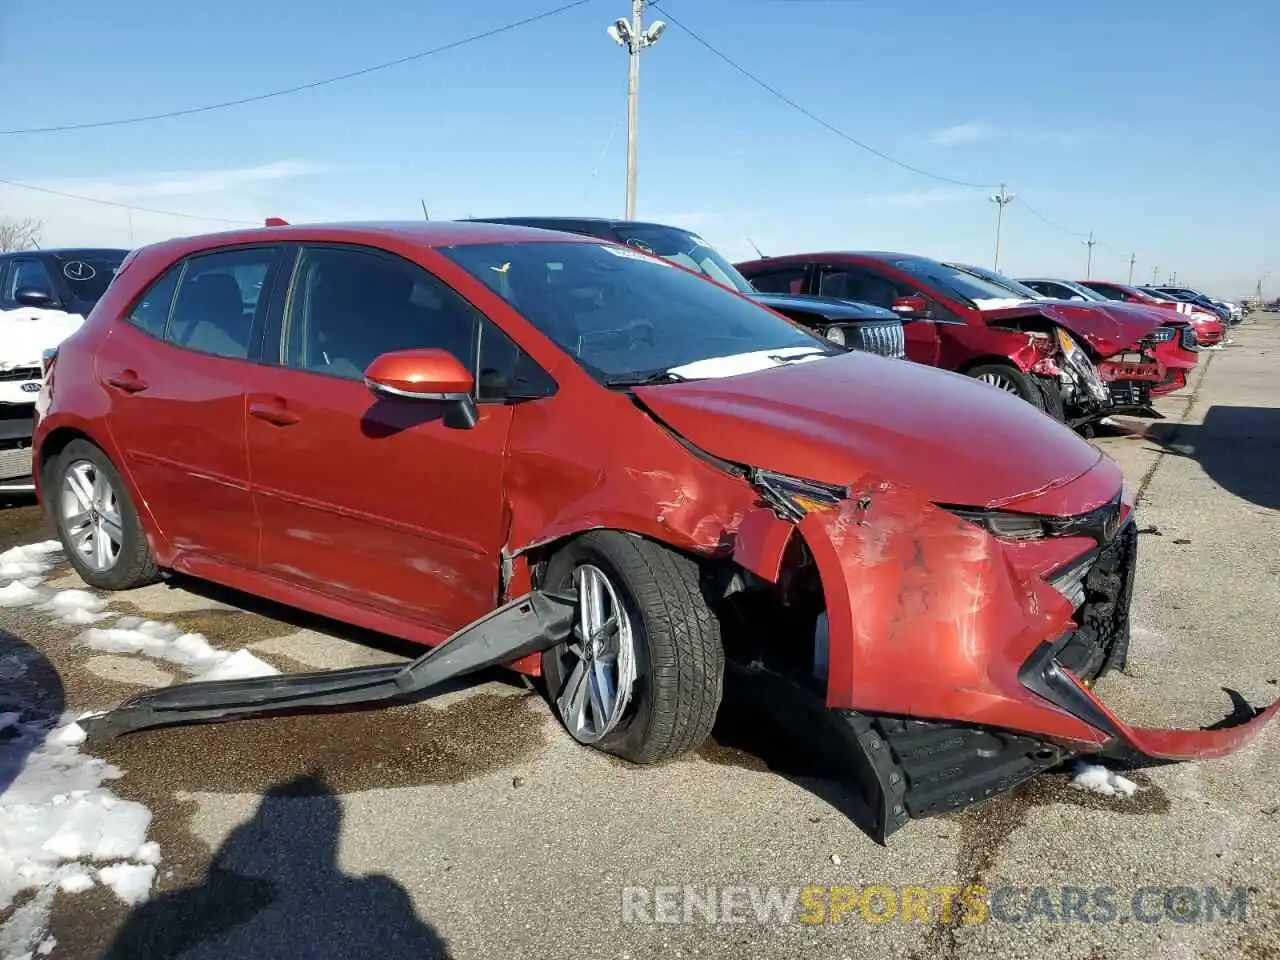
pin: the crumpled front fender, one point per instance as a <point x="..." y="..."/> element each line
<point x="927" y="618"/>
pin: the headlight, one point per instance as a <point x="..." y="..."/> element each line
<point x="1003" y="524"/>
<point x="793" y="497"/>
<point x="1164" y="334"/>
<point x="1081" y="364"/>
<point x="835" y="335"/>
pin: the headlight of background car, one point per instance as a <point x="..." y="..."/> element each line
<point x="1081" y="364"/>
<point x="835" y="335"/>
<point x="794" y="497"/>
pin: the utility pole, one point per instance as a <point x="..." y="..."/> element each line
<point x="1173" y="278"/>
<point x="1088" y="270"/>
<point x="1133" y="258"/>
<point x="1155" y="276"/>
<point x="635" y="38"/>
<point x="425" y="215"/>
<point x="1001" y="200"/>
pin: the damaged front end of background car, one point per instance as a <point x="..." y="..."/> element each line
<point x="1078" y="390"/>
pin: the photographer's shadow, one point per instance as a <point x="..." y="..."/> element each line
<point x="273" y="891"/>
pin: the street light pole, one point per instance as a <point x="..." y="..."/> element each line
<point x="1001" y="200"/>
<point x="1133" y="258"/>
<point x="632" y="35"/>
<point x="1088" y="270"/>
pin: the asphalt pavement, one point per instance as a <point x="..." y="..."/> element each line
<point x="472" y="826"/>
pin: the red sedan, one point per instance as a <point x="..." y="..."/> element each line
<point x="1210" y="330"/>
<point x="412" y="427"/>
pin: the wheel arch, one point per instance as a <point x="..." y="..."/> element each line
<point x="58" y="438"/>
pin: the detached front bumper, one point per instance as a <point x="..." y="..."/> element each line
<point x="964" y="666"/>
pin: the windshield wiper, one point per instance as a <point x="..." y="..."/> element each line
<point x="642" y="379"/>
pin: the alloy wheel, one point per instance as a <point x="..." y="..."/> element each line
<point x="90" y="510"/>
<point x="598" y="689"/>
<point x="1001" y="381"/>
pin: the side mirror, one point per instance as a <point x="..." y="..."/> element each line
<point x="911" y="308"/>
<point x="430" y="375"/>
<point x="35" y="297"/>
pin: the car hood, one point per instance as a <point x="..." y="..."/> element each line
<point x="953" y="439"/>
<point x="1107" y="327"/>
<point x="831" y="307"/>
<point x="25" y="333"/>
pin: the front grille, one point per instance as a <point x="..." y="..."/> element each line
<point x="19" y="373"/>
<point x="886" y="339"/>
<point x="1188" y="337"/>
<point x="1130" y="393"/>
<point x="1101" y="637"/>
<point x="15" y="463"/>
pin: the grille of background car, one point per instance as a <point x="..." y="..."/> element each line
<point x="19" y="373"/>
<point x="1188" y="335"/>
<point x="886" y="339"/>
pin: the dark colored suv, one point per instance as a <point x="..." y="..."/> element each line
<point x="859" y="326"/>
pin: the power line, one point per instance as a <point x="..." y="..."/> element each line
<point x="813" y="116"/>
<point x="1040" y="216"/>
<point x="311" y="85"/>
<point x="123" y="206"/>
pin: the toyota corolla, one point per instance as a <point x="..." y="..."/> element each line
<point x="456" y="433"/>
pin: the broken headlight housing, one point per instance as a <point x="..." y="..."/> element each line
<point x="793" y="497"/>
<point x="1080" y="365"/>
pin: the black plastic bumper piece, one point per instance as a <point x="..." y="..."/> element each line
<point x="530" y="624"/>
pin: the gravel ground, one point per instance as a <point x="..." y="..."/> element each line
<point x="472" y="825"/>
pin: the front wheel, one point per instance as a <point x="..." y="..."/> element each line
<point x="1044" y="396"/>
<point x="643" y="673"/>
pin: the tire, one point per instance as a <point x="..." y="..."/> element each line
<point x="678" y="654"/>
<point x="1011" y="380"/>
<point x="132" y="565"/>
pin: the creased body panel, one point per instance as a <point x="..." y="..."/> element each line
<point x="928" y="618"/>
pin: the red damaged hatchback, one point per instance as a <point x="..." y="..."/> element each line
<point x="522" y="447"/>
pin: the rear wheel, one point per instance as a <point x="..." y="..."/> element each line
<point x="97" y="522"/>
<point x="643" y="673"/>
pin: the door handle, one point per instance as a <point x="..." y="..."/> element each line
<point x="273" y="412"/>
<point x="127" y="381"/>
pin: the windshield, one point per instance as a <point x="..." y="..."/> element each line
<point x="958" y="283"/>
<point x="87" y="276"/>
<point x="1081" y="291"/>
<point x="1000" y="280"/>
<point x="685" y="248"/>
<point x="625" y="316"/>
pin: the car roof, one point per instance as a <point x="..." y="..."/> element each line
<point x="833" y="255"/>
<point x="832" y="308"/>
<point x="69" y="252"/>
<point x="602" y="221"/>
<point x="424" y="233"/>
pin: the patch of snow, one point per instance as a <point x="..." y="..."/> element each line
<point x="46" y="946"/>
<point x="1095" y="778"/>
<point x="131" y="882"/>
<point x="240" y="665"/>
<point x="29" y="560"/>
<point x="76" y="606"/>
<point x="738" y="363"/>
<point x="21" y="593"/>
<point x="164" y="641"/>
<point x="57" y="818"/>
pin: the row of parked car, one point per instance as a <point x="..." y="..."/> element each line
<point x="541" y="449"/>
<point x="1079" y="351"/>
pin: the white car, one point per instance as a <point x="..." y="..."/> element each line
<point x="44" y="297"/>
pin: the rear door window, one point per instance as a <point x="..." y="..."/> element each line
<point x="859" y="283"/>
<point x="219" y="300"/>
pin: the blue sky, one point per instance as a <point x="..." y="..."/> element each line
<point x="1152" y="124"/>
